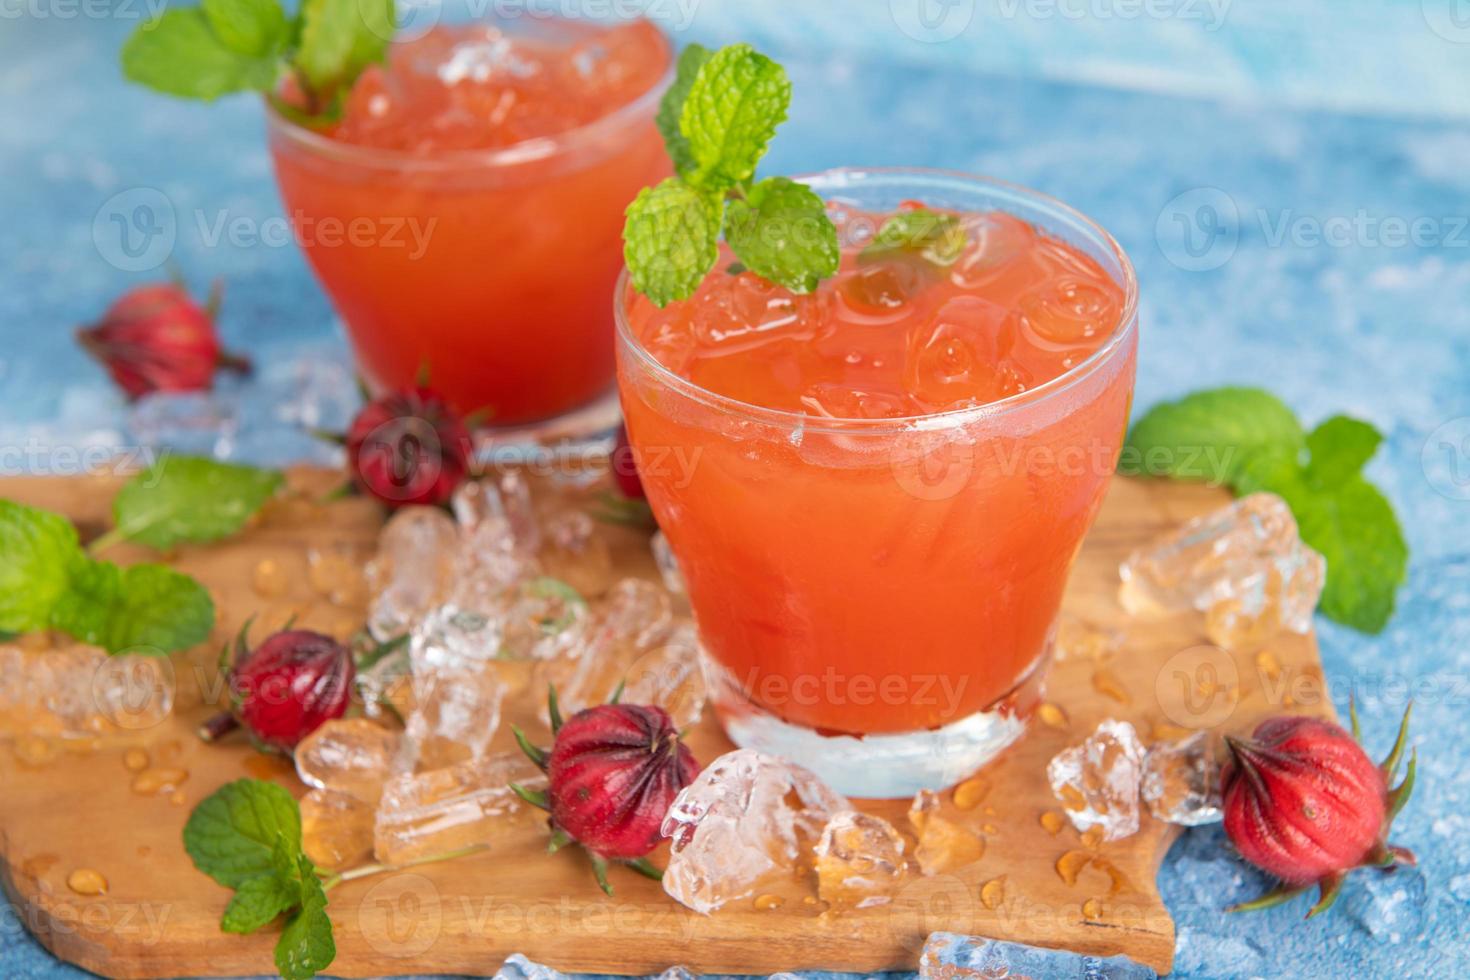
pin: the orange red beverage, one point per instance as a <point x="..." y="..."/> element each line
<point x="876" y="491"/>
<point x="465" y="212"/>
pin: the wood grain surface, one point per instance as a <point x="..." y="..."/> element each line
<point x="160" y="917"/>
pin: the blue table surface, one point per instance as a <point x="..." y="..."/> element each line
<point x="1358" y="321"/>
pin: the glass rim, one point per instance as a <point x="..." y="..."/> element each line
<point x="531" y="150"/>
<point x="1125" y="328"/>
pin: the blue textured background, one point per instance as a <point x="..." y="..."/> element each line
<point x="1344" y="112"/>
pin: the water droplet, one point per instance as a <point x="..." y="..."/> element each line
<point x="269" y="580"/>
<point x="1092" y="909"/>
<point x="1053" y="822"/>
<point x="35" y="751"/>
<point x="1051" y="715"/>
<point x="151" y="782"/>
<point x="1105" y="682"/>
<point x="993" y="892"/>
<point x="135" y="760"/>
<point x="768" y="902"/>
<point x="968" y="794"/>
<point x="85" y="881"/>
<point x="1070" y="865"/>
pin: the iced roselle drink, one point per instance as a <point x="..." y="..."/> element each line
<point x="465" y="211"/>
<point x="876" y="490"/>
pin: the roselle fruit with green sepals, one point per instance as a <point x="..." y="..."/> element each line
<point x="612" y="773"/>
<point x="281" y="691"/>
<point x="409" y="447"/>
<point x="1304" y="802"/>
<point x="157" y="338"/>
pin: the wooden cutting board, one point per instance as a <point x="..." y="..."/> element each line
<point x="160" y="917"/>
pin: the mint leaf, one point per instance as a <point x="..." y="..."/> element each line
<point x="1355" y="529"/>
<point x="85" y="610"/>
<point x="186" y="498"/>
<point x="730" y="113"/>
<point x="260" y="900"/>
<point x="37" y="552"/>
<point x="250" y="27"/>
<point x="158" y="609"/>
<point x="781" y="231"/>
<point x="370" y="45"/>
<point x="1210" y="435"/>
<point x="306" y="946"/>
<point x="691" y="59"/>
<point x="1340" y="447"/>
<point x="339" y="38"/>
<point x="671" y="239"/>
<point x="232" y="834"/>
<point x="1351" y="525"/>
<point x="179" y="54"/>
<point x="937" y="238"/>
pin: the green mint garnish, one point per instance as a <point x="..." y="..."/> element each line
<point x="781" y="230"/>
<point x="142" y="608"/>
<point x="934" y="237"/>
<point x="730" y="113"/>
<point x="691" y="60"/>
<point x="1210" y="435"/>
<point x="48" y="582"/>
<point x="226" y="46"/>
<point x="37" y="551"/>
<point x="1248" y="440"/>
<point x="1343" y="516"/>
<point x="717" y="120"/>
<point x="247" y="836"/>
<point x="189" y="499"/>
<point x="671" y="239"/>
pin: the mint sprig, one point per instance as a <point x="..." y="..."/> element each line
<point x="931" y="235"/>
<point x="717" y="120"/>
<point x="1248" y="440"/>
<point x="227" y="46"/>
<point x="247" y="836"/>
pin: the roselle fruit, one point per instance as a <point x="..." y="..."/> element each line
<point x="1305" y="803"/>
<point x="612" y="774"/>
<point x="157" y="338"/>
<point x="286" y="688"/>
<point x="409" y="447"/>
<point x="625" y="467"/>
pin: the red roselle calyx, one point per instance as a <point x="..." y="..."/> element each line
<point x="1305" y="803"/>
<point x="156" y="338"/>
<point x="612" y="774"/>
<point x="409" y="447"/>
<point x="625" y="467"/>
<point x="286" y="688"/>
<point x="629" y="504"/>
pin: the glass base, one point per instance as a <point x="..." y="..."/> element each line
<point x="886" y="766"/>
<point x="571" y="448"/>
